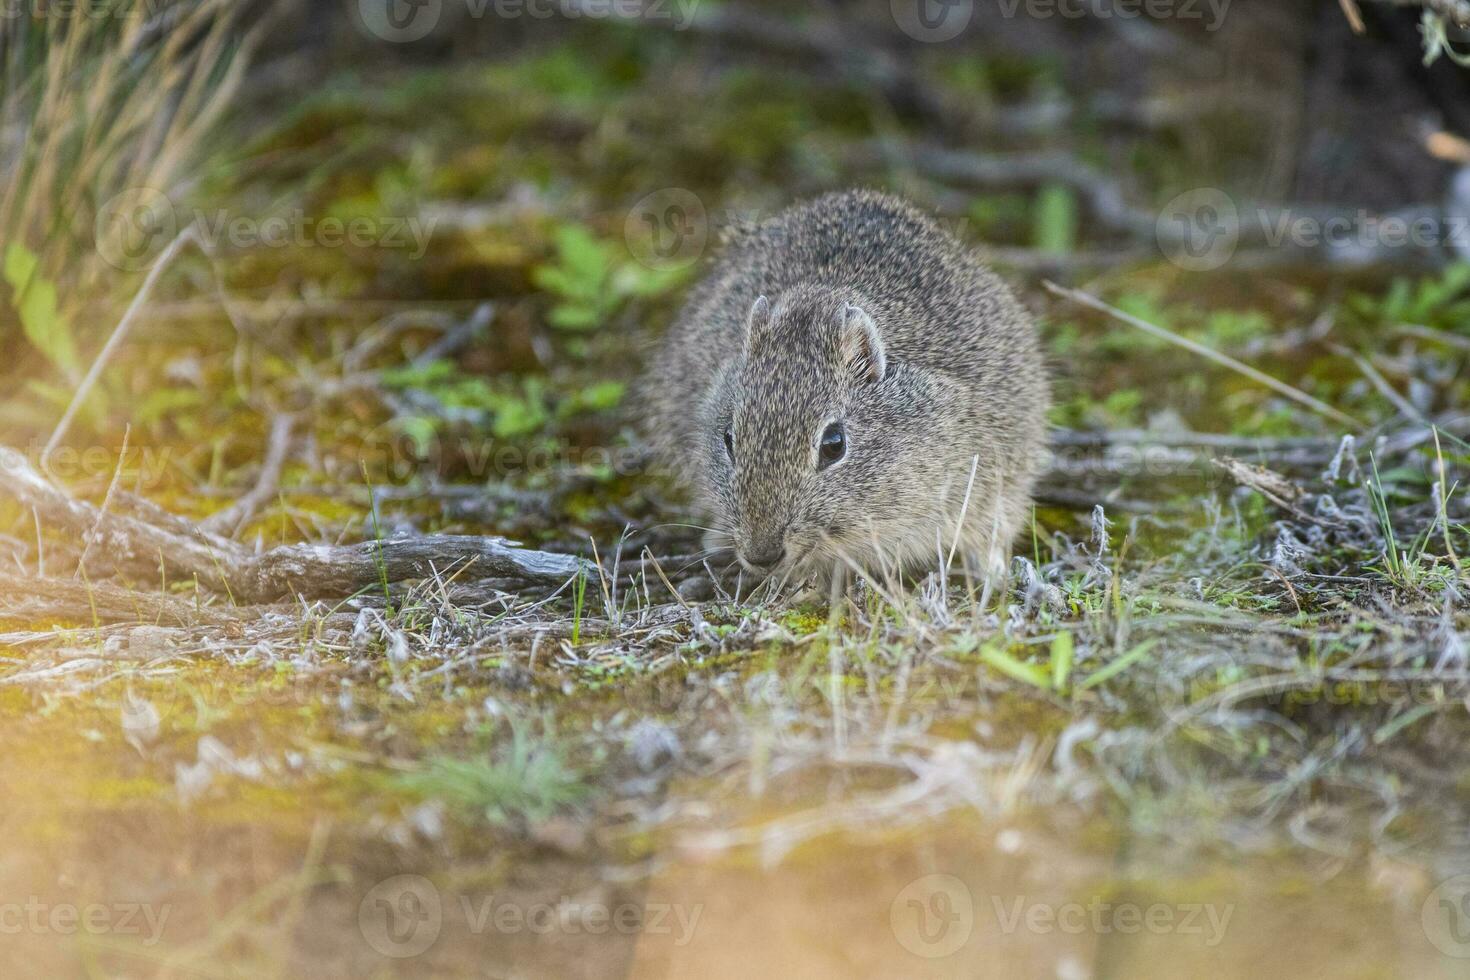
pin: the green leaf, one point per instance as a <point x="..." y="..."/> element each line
<point x="554" y="280"/>
<point x="1117" y="666"/>
<point x="585" y="259"/>
<point x="633" y="279"/>
<point x="1013" y="668"/>
<point x="1061" y="660"/>
<point x="600" y="397"/>
<point x="420" y="430"/>
<point x="35" y="302"/>
<point x="1054" y="221"/>
<point x="20" y="265"/>
<point x="570" y="316"/>
<point x="518" y="415"/>
<point x="420" y="375"/>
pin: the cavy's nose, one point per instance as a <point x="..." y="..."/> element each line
<point x="768" y="557"/>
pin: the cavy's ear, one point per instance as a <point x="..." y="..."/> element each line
<point x="861" y="347"/>
<point x="760" y="316"/>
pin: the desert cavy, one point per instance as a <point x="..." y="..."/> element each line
<point x="849" y="384"/>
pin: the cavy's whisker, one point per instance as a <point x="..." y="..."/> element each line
<point x="694" y="527"/>
<point x="699" y="558"/>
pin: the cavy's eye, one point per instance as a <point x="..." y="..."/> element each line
<point x="730" y="442"/>
<point x="832" y="447"/>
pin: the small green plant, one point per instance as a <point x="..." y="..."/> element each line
<point x="592" y="282"/>
<point x="1433" y="300"/>
<point x="1404" y="567"/>
<point x="512" y="409"/>
<point x="579" y="603"/>
<point x="33" y="299"/>
<point x="526" y="782"/>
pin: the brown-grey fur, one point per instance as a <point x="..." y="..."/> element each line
<point x="964" y="379"/>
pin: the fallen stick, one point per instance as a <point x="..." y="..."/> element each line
<point x="306" y="570"/>
<point x="127" y="542"/>
<point x="53" y="600"/>
<point x="321" y="571"/>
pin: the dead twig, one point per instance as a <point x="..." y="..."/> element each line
<point x="309" y="570"/>
<point x="458" y="336"/>
<point x="229" y="520"/>
<point x="189" y="235"/>
<point x="1435" y="336"/>
<point x="1274" y="487"/>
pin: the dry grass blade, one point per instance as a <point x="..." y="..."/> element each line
<point x="119" y="334"/>
<point x="1280" y="387"/>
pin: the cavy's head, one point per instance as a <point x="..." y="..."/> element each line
<point x="816" y="440"/>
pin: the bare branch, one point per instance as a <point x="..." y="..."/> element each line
<point x="309" y="570"/>
<point x="278" y="445"/>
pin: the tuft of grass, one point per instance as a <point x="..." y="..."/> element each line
<point x="579" y="604"/>
<point x="104" y="107"/>
<point x="526" y="783"/>
<point x="1116" y="667"/>
<point x="382" y="566"/>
